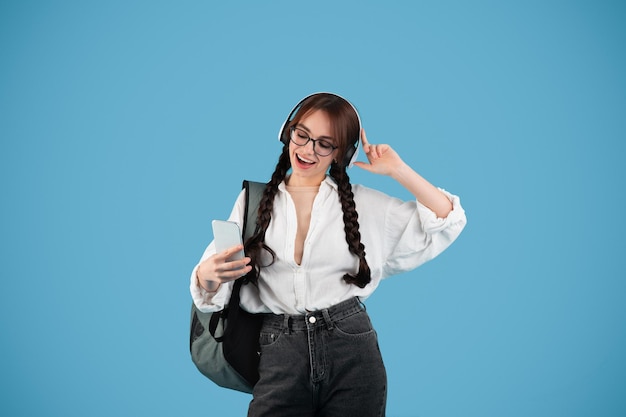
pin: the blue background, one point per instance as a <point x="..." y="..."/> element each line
<point x="127" y="126"/>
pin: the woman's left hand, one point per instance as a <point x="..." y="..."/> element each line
<point x="382" y="158"/>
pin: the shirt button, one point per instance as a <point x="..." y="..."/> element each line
<point x="312" y="320"/>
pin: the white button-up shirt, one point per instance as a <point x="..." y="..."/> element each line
<point x="398" y="237"/>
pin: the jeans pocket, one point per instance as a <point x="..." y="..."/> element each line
<point x="356" y="325"/>
<point x="268" y="338"/>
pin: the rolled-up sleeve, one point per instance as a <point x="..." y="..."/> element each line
<point x="453" y="223"/>
<point x="414" y="234"/>
<point x="206" y="301"/>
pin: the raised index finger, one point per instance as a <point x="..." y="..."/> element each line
<point x="364" y="138"/>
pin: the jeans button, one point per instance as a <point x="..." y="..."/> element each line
<point x="312" y="319"/>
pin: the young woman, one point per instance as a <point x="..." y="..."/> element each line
<point x="321" y="247"/>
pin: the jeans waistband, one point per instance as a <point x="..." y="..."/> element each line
<point x="325" y="317"/>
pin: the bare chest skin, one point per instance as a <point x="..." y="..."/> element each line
<point x="303" y="198"/>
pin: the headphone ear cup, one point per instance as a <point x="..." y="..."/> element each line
<point x="284" y="137"/>
<point x="347" y="158"/>
<point x="283" y="133"/>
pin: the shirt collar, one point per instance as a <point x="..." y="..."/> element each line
<point x="328" y="182"/>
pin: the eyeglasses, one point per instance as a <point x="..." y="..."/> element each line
<point x="320" y="146"/>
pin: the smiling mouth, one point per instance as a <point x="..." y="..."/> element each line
<point x="304" y="161"/>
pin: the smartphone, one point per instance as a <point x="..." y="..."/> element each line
<point x="226" y="235"/>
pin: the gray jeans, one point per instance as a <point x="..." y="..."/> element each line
<point x="323" y="364"/>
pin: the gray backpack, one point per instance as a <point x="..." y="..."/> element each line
<point x="224" y="345"/>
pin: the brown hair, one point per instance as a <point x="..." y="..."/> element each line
<point x="346" y="127"/>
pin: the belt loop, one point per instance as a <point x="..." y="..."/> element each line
<point x="286" y="324"/>
<point x="329" y="322"/>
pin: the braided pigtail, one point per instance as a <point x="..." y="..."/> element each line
<point x="255" y="245"/>
<point x="351" y="226"/>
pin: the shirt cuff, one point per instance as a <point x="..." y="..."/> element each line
<point x="208" y="301"/>
<point x="432" y="224"/>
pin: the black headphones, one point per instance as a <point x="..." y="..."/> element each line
<point x="351" y="152"/>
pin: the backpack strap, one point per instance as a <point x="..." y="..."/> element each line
<point x="254" y="193"/>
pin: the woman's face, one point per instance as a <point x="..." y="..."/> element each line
<point x="309" y="168"/>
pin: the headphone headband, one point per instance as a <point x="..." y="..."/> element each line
<point x="351" y="151"/>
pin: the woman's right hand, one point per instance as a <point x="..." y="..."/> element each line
<point x="215" y="270"/>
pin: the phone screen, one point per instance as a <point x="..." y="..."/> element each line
<point x="226" y="235"/>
